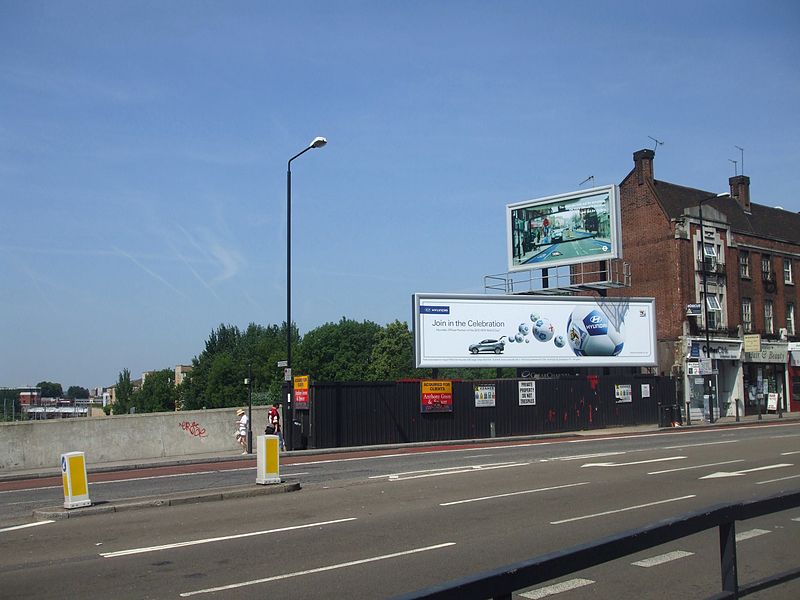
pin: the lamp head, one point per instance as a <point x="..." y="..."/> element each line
<point x="318" y="142"/>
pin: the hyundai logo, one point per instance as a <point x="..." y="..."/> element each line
<point x="596" y="319"/>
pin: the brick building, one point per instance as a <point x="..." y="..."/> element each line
<point x="751" y="253"/>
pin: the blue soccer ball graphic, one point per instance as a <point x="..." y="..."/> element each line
<point x="590" y="333"/>
<point x="543" y="330"/>
<point x="559" y="341"/>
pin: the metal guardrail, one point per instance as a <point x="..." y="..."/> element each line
<point x="501" y="583"/>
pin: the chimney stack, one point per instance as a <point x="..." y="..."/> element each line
<point x="643" y="159"/>
<point x="740" y="191"/>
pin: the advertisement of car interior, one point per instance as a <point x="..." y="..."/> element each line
<point x="566" y="229"/>
<point x="533" y="331"/>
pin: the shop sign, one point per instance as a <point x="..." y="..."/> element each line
<point x="772" y="401"/>
<point x="752" y="342"/>
<point x="771" y="352"/>
<point x="716" y="349"/>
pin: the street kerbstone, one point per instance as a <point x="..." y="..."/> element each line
<point x="58" y="513"/>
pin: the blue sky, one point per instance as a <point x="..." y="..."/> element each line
<point x="143" y="150"/>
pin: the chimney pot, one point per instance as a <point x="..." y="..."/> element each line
<point x="643" y="159"/>
<point x="740" y="191"/>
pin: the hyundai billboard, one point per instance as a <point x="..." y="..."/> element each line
<point x="533" y="331"/>
<point x="566" y="229"/>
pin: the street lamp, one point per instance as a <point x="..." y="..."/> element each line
<point x="317" y="142"/>
<point x="705" y="291"/>
<point x="248" y="381"/>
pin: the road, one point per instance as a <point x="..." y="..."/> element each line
<point x="375" y="526"/>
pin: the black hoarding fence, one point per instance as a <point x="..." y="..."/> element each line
<point x="361" y="414"/>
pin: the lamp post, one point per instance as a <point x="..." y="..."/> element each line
<point x="317" y="142"/>
<point x="705" y="292"/>
<point x="249" y="383"/>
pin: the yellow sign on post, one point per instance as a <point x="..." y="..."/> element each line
<point x="267" y="461"/>
<point x="73" y="476"/>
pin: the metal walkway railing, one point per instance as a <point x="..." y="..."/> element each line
<point x="501" y="583"/>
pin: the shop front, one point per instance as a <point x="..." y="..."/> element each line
<point x="794" y="376"/>
<point x="712" y="377"/>
<point x="764" y="376"/>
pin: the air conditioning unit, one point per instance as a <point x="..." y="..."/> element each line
<point x="783" y="333"/>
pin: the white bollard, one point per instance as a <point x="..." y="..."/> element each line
<point x="267" y="462"/>
<point x="73" y="476"/>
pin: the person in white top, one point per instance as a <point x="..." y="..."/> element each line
<point x="241" y="430"/>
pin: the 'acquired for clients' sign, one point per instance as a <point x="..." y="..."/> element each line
<point x="437" y="396"/>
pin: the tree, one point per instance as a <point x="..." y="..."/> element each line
<point x="76" y="391"/>
<point x="393" y="354"/>
<point x="123" y="393"/>
<point x="338" y="351"/>
<point x="157" y="393"/>
<point x="50" y="389"/>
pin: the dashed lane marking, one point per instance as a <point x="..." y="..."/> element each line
<point x="219" y="539"/>
<point x="726" y="462"/>
<point x="546" y="489"/>
<point x="619" y="510"/>
<point x="16" y="527"/>
<point x="351" y="563"/>
<point x="557" y="588"/>
<point x="662" y="558"/>
<point x="746" y="535"/>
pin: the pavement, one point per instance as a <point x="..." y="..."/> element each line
<point x="250" y="490"/>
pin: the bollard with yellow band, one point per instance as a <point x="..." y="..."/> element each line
<point x="73" y="476"/>
<point x="267" y="462"/>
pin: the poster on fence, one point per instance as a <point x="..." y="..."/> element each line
<point x="623" y="393"/>
<point x="527" y="393"/>
<point x="484" y="395"/>
<point x="436" y="396"/>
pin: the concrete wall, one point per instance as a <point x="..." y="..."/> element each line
<point x="37" y="444"/>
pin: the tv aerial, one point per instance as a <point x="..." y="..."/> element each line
<point x="589" y="178"/>
<point x="658" y="143"/>
<point x="741" y="150"/>
<point x="735" y="164"/>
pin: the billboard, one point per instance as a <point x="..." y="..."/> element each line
<point x="566" y="229"/>
<point x="533" y="331"/>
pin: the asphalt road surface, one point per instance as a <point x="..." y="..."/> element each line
<point x="380" y="524"/>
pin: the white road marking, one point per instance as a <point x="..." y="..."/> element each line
<point x="546" y="489"/>
<point x="796" y="519"/>
<point x="716" y="464"/>
<point x="619" y="510"/>
<point x="447" y="471"/>
<point x="219" y="539"/>
<point x="746" y="535"/>
<point x="696" y="445"/>
<point x="557" y="588"/>
<point x="351" y="563"/>
<point x="636" y="462"/>
<point x="49" y="487"/>
<point x="479" y="456"/>
<point x="790" y="453"/>
<point x="744" y="471"/>
<point x="777" y="480"/>
<point x="581" y="456"/>
<point x="662" y="558"/>
<point x="788" y="435"/>
<point x="16" y="527"/>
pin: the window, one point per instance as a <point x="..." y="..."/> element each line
<point x="714" y="312"/>
<point x="744" y="264"/>
<point x="766" y="268"/>
<point x="769" y="326"/>
<point x="790" y="319"/>
<point x="747" y="315"/>
<point x="787" y="270"/>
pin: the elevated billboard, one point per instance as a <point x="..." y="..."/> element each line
<point x="533" y="331"/>
<point x="566" y="229"/>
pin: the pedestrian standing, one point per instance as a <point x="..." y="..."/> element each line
<point x="274" y="423"/>
<point x="241" y="429"/>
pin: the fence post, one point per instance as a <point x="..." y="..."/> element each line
<point x="727" y="555"/>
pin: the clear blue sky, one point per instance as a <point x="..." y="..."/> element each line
<point x="143" y="150"/>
